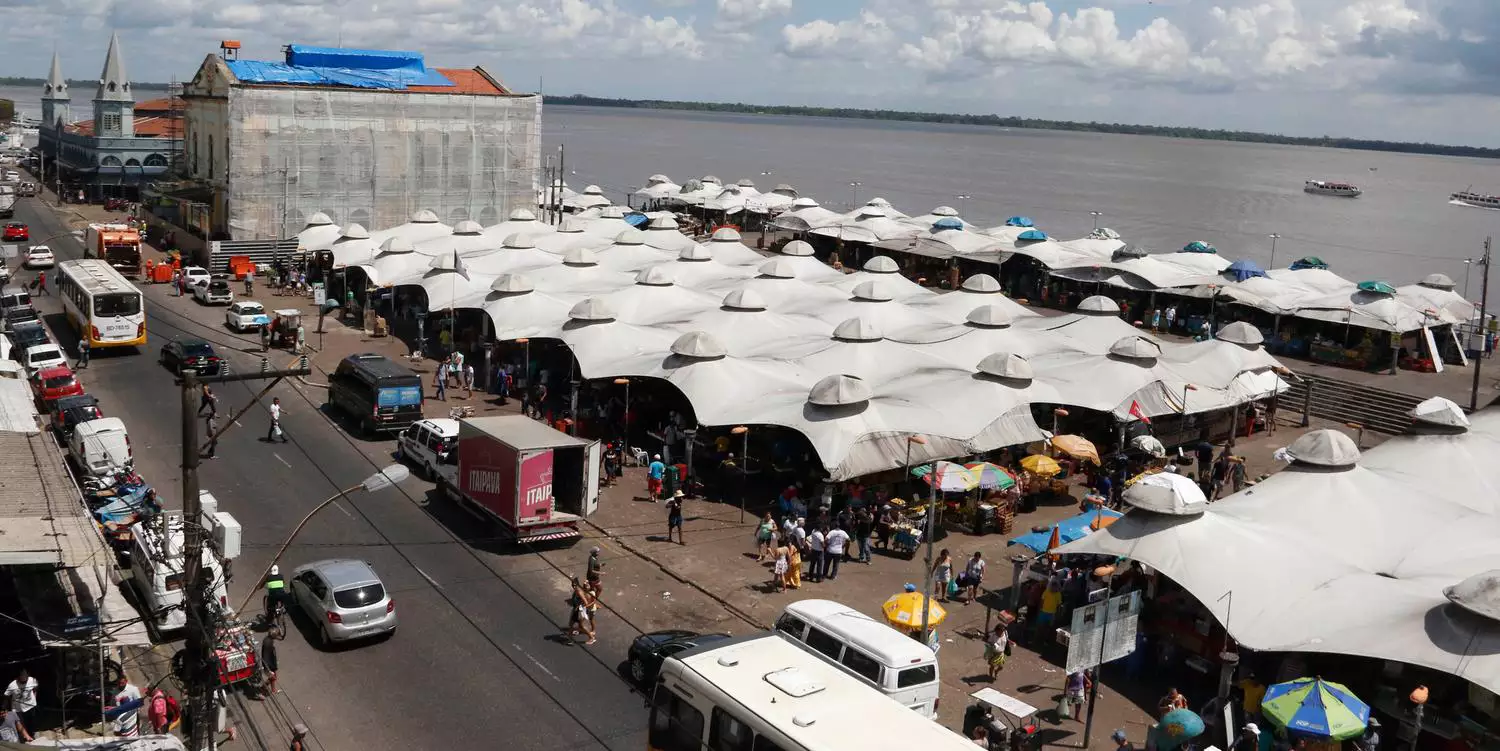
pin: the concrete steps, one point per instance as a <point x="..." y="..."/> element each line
<point x="1343" y="401"/>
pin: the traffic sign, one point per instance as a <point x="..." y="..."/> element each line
<point x="1103" y="632"/>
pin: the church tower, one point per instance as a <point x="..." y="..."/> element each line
<point x="114" y="104"/>
<point x="55" y="97"/>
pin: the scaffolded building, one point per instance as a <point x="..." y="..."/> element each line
<point x="363" y="136"/>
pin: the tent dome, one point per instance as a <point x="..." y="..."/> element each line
<point x="611" y="212"/>
<point x="873" y="291"/>
<point x="354" y="231"/>
<point x="663" y="223"/>
<point x="580" y="257"/>
<point x="570" y="226"/>
<point x="659" y="178"/>
<point x="744" y="299"/>
<point x="725" y="235"/>
<point x="805" y="202"/>
<point x="1438" y="281"/>
<point x="514" y="284"/>
<point x="654" y="276"/>
<point x="878" y="201"/>
<point x="1099" y="304"/>
<point x="443" y="262"/>
<point x="518" y="241"/>
<point x="989" y="317"/>
<point x="784" y="188"/>
<point x="944" y="211"/>
<point x="320" y="219"/>
<point x="1135" y="348"/>
<point x="981" y="283"/>
<point x="467" y="227"/>
<point x="593" y="190"/>
<point x="1324" y="448"/>
<point x="1240" y="332"/>
<point x="695" y="252"/>
<point x="395" y="245"/>
<point x="1006" y="365"/>
<point x="424" y="216"/>
<point x="745" y="182"/>
<point x="797" y="248"/>
<point x="857" y="330"/>
<point x="948" y="223"/>
<point x="778" y="268"/>
<point x="872" y="210"/>
<point x="1439" y="412"/>
<point x="1167" y="493"/>
<point x="522" y="215"/>
<point x="711" y="179"/>
<point x="882" y="265"/>
<point x="1478" y="594"/>
<point x="699" y="344"/>
<point x="840" y="391"/>
<point x="630" y="236"/>
<point x="591" y="309"/>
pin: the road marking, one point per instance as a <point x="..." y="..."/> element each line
<point x="429" y="579"/>
<point x="283" y="461"/>
<point x="534" y="661"/>
<point x="341" y="508"/>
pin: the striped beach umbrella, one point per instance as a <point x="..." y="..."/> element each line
<point x="1316" y="707"/>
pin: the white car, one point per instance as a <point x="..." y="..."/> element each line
<point x="40" y="257"/>
<point x="213" y="292"/>
<point x="43" y="356"/>
<point x="429" y="444"/>
<point x="246" y="316"/>
<point x="194" y="274"/>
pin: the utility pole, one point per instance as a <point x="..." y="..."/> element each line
<point x="200" y="674"/>
<point x="562" y="164"/>
<point x="286" y="188"/>
<point x="1484" y="306"/>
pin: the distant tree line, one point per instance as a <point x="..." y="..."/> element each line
<point x="999" y="121"/>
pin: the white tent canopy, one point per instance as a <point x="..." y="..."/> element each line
<point x="805" y="214"/>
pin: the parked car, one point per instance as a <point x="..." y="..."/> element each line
<point x="55" y="382"/>
<point x="40" y="257"/>
<point x="345" y="598"/>
<point x="116" y="204"/>
<point x="20" y="315"/>
<point x="195" y="274"/>
<point x="26" y="190"/>
<point x="14" y="296"/>
<point x="428" y="444"/>
<point x="42" y="356"/>
<point x="246" y="315"/>
<point x="650" y="650"/>
<point x="67" y="412"/>
<point x="15" y="232"/>
<point x="193" y="355"/>
<point x="213" y="292"/>
<point x="27" y="335"/>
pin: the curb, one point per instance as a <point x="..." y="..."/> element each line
<point x="669" y="571"/>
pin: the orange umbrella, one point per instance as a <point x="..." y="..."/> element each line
<point x="1077" y="447"/>
<point x="1055" y="541"/>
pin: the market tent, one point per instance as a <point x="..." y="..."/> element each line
<point x="727" y="246"/>
<point x="1350" y="559"/>
<point x="517" y="310"/>
<point x="1436" y="293"/>
<point x="799" y="256"/>
<point x="353" y="247"/>
<point x="423" y="225"/>
<point x="698" y="267"/>
<point x="946" y="214"/>
<point x="522" y="221"/>
<point x="569" y="235"/>
<point x="874" y="300"/>
<point x="319" y="233"/>
<point x="777" y="283"/>
<point x="776" y="201"/>
<point x="629" y="252"/>
<point x="975" y="291"/>
<point x="695" y="192"/>
<point x="591" y="197"/>
<point x="1371" y="310"/>
<point x="610" y="222"/>
<point x="805" y="214"/>
<point x="466" y="237"/>
<point x="734" y="198"/>
<point x="655" y="300"/>
<point x="945" y="241"/>
<point x="518" y="253"/>
<point x="888" y="273"/>
<point x="663" y="233"/>
<point x="743" y="324"/>
<point x="870" y="224"/>
<point x="659" y="187"/>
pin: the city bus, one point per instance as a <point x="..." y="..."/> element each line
<point x="762" y="692"/>
<point x="101" y="304"/>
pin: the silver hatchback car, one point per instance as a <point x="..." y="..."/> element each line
<point x="345" y="598"/>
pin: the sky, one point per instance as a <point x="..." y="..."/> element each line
<point x="1412" y="70"/>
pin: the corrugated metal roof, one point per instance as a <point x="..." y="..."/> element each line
<point x="521" y="433"/>
<point x="42" y="518"/>
<point x="17" y="408"/>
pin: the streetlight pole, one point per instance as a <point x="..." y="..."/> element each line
<point x="1096" y="215"/>
<point x="1108" y="574"/>
<point x="626" y="383"/>
<point x="742" y="430"/>
<point x="854" y="188"/>
<point x="1274" y="237"/>
<point x="1468" y="264"/>
<point x="964" y="197"/>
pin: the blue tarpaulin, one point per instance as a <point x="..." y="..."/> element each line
<point x="333" y="66"/>
<point x="1069" y="530"/>
<point x="1243" y="270"/>
<point x="1032" y="235"/>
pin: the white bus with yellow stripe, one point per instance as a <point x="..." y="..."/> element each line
<point x="101" y="304"/>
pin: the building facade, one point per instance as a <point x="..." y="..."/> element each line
<point x="363" y="136"/>
<point x="123" y="147"/>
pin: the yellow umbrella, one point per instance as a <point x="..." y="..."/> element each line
<point x="1041" y="465"/>
<point x="905" y="611"/>
<point x="1077" y="447"/>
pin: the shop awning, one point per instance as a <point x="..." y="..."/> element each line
<point x="66" y="605"/>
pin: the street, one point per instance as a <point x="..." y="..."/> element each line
<point x="476" y="660"/>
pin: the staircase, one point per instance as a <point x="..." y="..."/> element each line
<point x="1342" y="401"/>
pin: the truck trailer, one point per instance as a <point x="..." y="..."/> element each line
<point x="537" y="482"/>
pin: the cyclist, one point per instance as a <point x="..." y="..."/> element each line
<point x="276" y="594"/>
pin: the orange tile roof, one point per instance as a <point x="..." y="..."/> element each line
<point x="161" y="104"/>
<point x="465" y="81"/>
<point x="145" y="127"/>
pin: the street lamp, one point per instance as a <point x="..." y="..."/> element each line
<point x="854" y="187"/>
<point x="1419" y="699"/>
<point x="1186" y="387"/>
<point x="741" y="430"/>
<point x="1468" y="264"/>
<point x="1056" y="414"/>
<point x="1096" y="215"/>
<point x="1274" y="237"/>
<point x="626" y="383"/>
<point x="1108" y="574"/>
<point x="381" y="480"/>
<point x="964" y="197"/>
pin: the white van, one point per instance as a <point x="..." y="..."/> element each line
<point x="157" y="575"/>
<point x="899" y="666"/>
<point x="100" y="448"/>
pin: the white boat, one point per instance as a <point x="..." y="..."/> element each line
<point x="1326" y="188"/>
<point x="1477" y="200"/>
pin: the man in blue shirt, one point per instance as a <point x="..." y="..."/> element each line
<point x="654" y="474"/>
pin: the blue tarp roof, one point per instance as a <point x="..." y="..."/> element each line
<point x="334" y="66"/>
<point x="1069" y="530"/>
<point x="1243" y="270"/>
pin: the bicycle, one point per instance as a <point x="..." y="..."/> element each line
<point x="273" y="611"/>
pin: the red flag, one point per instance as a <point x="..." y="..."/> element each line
<point x="1135" y="411"/>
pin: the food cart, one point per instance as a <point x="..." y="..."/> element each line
<point x="284" y="328"/>
<point x="1005" y="715"/>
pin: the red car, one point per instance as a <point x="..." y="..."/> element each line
<point x="55" y="383"/>
<point x="16" y="231"/>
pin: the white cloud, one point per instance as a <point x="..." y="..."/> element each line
<point x="854" y="38"/>
<point x="737" y="14"/>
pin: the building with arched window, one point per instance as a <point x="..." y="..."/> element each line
<point x="126" y="144"/>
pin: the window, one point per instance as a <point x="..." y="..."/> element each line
<point x="211" y="173"/>
<point x="916" y="676"/>
<point x="824" y="642"/>
<point x="125" y="304"/>
<point x="110" y="123"/>
<point x="862" y="664"/>
<point x="156" y="160"/>
<point x="359" y="597"/>
<point x="728" y="733"/>
<point x="761" y="744"/>
<point x="675" y="724"/>
<point x="132" y="162"/>
<point x="791" y="624"/>
<point x="109" y="161"/>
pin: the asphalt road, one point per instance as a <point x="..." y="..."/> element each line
<point x="476" y="661"/>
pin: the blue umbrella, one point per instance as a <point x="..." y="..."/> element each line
<point x="1020" y="221"/>
<point x="1316" y="707"/>
<point x="948" y="222"/>
<point x="1242" y="270"/>
<point x="1177" y="727"/>
<point x="1032" y="235"/>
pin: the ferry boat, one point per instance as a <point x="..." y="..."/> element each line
<point x="1326" y="188"/>
<point x="1477" y="200"/>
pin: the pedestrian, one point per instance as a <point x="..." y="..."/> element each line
<point x="207" y="400"/>
<point x="582" y="622"/>
<point x="456" y="366"/>
<point x="275" y="431"/>
<point x="835" y="544"/>
<point x="655" y="471"/>
<point x="127" y="723"/>
<point x="299" y="736"/>
<point x="156" y="712"/>
<point x="502" y="383"/>
<point x="440" y="381"/>
<point x="211" y="423"/>
<point x="816" y="541"/>
<point x="973" y="576"/>
<point x="468" y="380"/>
<point x="674" y="517"/>
<point x="12" y="729"/>
<point x="1249" y="738"/>
<point x="595" y="569"/>
<point x="1171" y="317"/>
<point x="942" y="575"/>
<point x="268" y="660"/>
<point x="265" y="337"/>
<point x="780" y="568"/>
<point x="177" y="282"/>
<point x="21" y="696"/>
<point x="83" y="351"/>
<point x="41" y="283"/>
<point x="1121" y="742"/>
<point x="1075" y="688"/>
<point x="793" y="564"/>
<point x="1370" y="741"/>
<point x="996" y="649"/>
<point x="864" y="529"/>
<point x="765" y="532"/>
